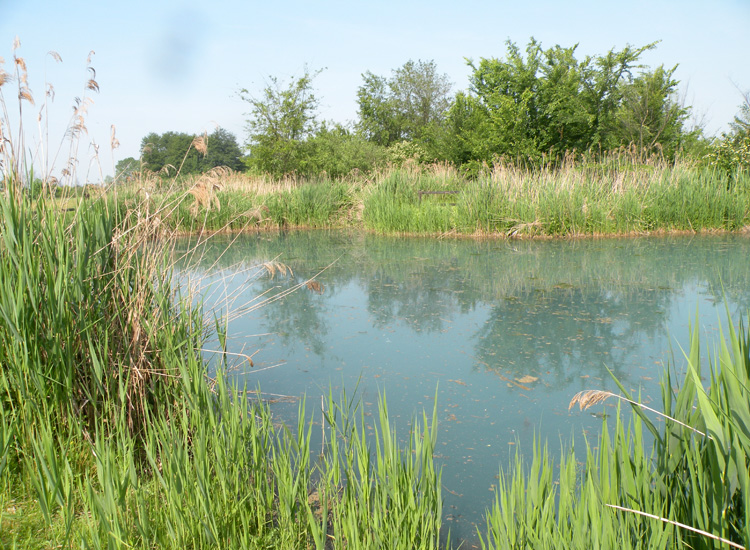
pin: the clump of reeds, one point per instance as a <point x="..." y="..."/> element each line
<point x="573" y="199"/>
<point x="692" y="491"/>
<point x="112" y="437"/>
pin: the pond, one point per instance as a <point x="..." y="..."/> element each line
<point x="504" y="333"/>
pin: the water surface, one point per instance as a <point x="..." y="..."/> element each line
<point x="505" y="332"/>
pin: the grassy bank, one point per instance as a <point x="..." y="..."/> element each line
<point x="111" y="436"/>
<point x="607" y="198"/>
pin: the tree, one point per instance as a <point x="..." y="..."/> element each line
<point x="544" y="103"/>
<point x="650" y="116"/>
<point x="222" y="150"/>
<point x="279" y="122"/>
<point x="408" y="106"/>
<point x="169" y="152"/>
<point x="126" y="169"/>
<point x="172" y="151"/>
<point x="337" y="151"/>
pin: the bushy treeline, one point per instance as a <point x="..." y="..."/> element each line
<point x="532" y="108"/>
<point x="173" y="152"/>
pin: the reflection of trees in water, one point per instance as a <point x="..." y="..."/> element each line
<point x="424" y="299"/>
<point x="297" y="318"/>
<point x="561" y="332"/>
<point x="607" y="293"/>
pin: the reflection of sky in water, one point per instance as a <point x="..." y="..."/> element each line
<point x="507" y="332"/>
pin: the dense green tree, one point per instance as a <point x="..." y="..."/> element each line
<point x="168" y="152"/>
<point x="222" y="150"/>
<point x="279" y="123"/>
<point x="650" y="117"/>
<point x="126" y="168"/>
<point x="173" y="151"/>
<point x="337" y="151"/>
<point x="544" y="103"/>
<point x="408" y="106"/>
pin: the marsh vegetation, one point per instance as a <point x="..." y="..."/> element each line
<point x="112" y="434"/>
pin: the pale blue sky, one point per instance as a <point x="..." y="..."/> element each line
<point x="178" y="65"/>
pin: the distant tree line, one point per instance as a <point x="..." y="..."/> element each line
<point x="533" y="107"/>
<point x="172" y="151"/>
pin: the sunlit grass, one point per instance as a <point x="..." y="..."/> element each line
<point x="111" y="436"/>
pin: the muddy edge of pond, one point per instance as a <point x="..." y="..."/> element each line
<point x="744" y="231"/>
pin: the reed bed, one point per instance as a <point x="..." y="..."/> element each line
<point x="111" y="436"/>
<point x="614" y="196"/>
<point x="568" y="201"/>
<point x="690" y="491"/>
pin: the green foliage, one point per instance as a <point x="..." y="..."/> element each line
<point x="410" y="105"/>
<point x="127" y="169"/>
<point x="222" y="149"/>
<point x="731" y="152"/>
<point x="337" y="152"/>
<point x="529" y="108"/>
<point x="649" y="116"/>
<point x="174" y="152"/>
<point x="279" y="122"/>
<point x="403" y="151"/>
<point x="284" y="136"/>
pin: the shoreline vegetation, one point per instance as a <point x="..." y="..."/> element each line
<point x="113" y="436"/>
<point x="612" y="198"/>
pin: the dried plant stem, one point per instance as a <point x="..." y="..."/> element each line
<point x="588" y="398"/>
<point x="678" y="524"/>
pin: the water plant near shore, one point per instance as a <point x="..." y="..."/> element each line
<point x="111" y="436"/>
<point x="690" y="491"/>
<point x="606" y="198"/>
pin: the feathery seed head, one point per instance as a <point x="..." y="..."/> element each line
<point x="25" y="93"/>
<point x="201" y="144"/>
<point x="588" y="398"/>
<point x="114" y="143"/>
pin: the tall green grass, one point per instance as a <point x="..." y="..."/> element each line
<point x="613" y="197"/>
<point x="690" y="491"/>
<point x="112" y="435"/>
<point x="568" y="201"/>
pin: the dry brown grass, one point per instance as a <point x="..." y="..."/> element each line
<point x="258" y="184"/>
<point x="204" y="191"/>
<point x="588" y="398"/>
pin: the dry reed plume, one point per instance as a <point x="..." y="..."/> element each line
<point x="588" y="398"/>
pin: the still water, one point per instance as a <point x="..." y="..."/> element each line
<point x="503" y="332"/>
